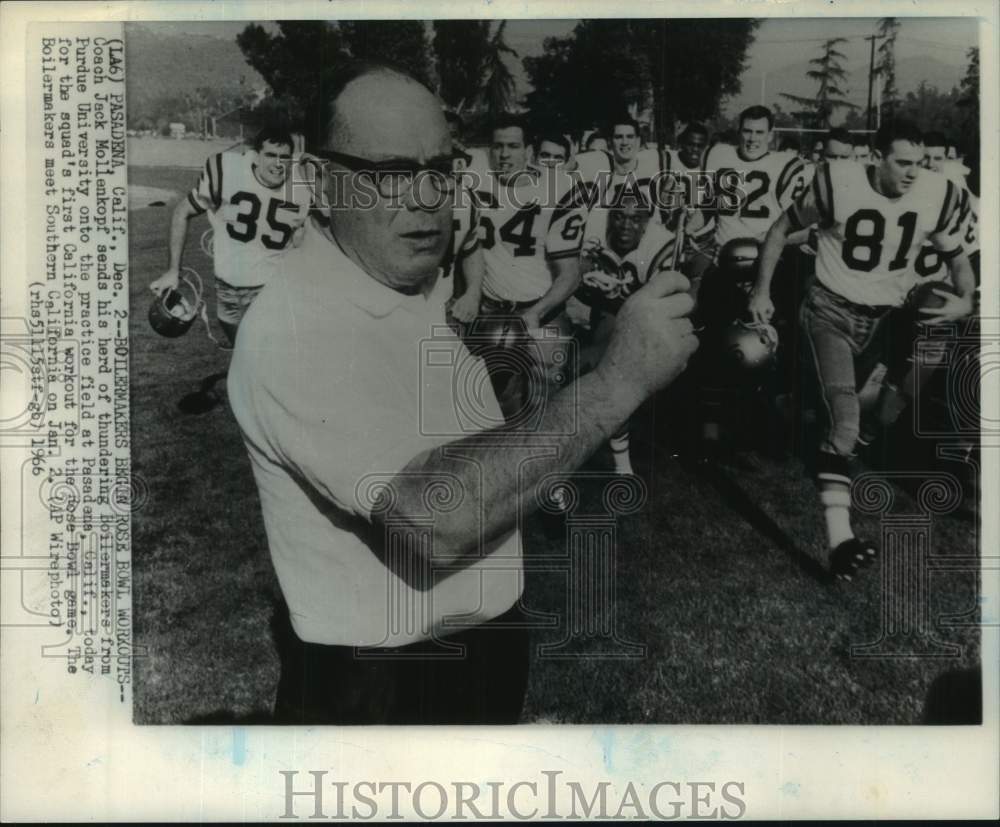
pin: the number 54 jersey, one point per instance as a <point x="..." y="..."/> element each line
<point x="523" y="225"/>
<point x="867" y="242"/>
<point x="253" y="224"/>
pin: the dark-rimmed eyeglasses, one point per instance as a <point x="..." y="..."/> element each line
<point x="394" y="178"/>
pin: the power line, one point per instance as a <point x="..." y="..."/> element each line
<point x="899" y="38"/>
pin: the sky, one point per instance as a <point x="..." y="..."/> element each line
<point x="779" y="43"/>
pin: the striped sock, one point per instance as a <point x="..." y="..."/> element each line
<point x="835" y="495"/>
<point x="620" y="452"/>
<point x="837" y="513"/>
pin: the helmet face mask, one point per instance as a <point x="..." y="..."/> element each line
<point x="172" y="313"/>
<point x="750" y="347"/>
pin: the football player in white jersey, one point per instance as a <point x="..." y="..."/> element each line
<point x="928" y="264"/>
<point x="906" y="376"/>
<point x="689" y="182"/>
<point x="753" y="185"/>
<point x="530" y="236"/>
<point x="617" y="260"/>
<point x="552" y="149"/>
<point x="862" y="152"/>
<point x="606" y="176"/>
<point x="255" y="209"/>
<point x="750" y="187"/>
<point x="596" y="142"/>
<point x="872" y="222"/>
<point x="836" y="146"/>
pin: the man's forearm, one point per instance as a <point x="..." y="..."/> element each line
<point x="564" y="285"/>
<point x="178" y="233"/>
<point x="498" y="473"/>
<point x="473" y="270"/>
<point x="774" y="244"/>
<point x="963" y="277"/>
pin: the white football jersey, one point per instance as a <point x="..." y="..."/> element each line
<point x="253" y="224"/>
<point x="929" y="265"/>
<point x="608" y="279"/>
<point x="464" y="232"/>
<point x="595" y="174"/>
<point x="522" y="227"/>
<point x="867" y="243"/>
<point x="749" y="196"/>
<point x="688" y="178"/>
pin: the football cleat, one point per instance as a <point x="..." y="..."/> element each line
<point x="174" y="311"/>
<point x="750" y="346"/>
<point x="851" y="556"/>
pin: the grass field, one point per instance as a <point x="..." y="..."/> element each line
<point x="719" y="576"/>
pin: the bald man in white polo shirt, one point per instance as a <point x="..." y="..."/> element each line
<point x="390" y="498"/>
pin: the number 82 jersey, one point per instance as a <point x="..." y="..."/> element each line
<point x="750" y="195"/>
<point x="867" y="242"/>
<point x="253" y="224"/>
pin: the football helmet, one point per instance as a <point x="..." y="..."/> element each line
<point x="207" y="243"/>
<point x="602" y="285"/>
<point x="738" y="259"/>
<point x="493" y="333"/>
<point x="174" y="311"/>
<point x="750" y="346"/>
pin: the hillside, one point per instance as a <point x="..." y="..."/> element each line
<point x="164" y="64"/>
<point x="792" y="79"/>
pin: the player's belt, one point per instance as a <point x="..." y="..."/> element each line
<point x="872" y="311"/>
<point x="508" y="306"/>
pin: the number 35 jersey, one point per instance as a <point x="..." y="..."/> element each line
<point x="253" y="224"/>
<point x="867" y="242"/>
<point x="524" y="225"/>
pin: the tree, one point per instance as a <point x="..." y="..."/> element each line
<point x="931" y="109"/>
<point x="968" y="103"/>
<point x="498" y="83"/>
<point x="888" y="29"/>
<point x="606" y="66"/>
<point x="586" y="78"/>
<point x="401" y="42"/>
<point x="829" y="73"/>
<point x="674" y="47"/>
<point x="293" y="61"/>
<point x="460" y="48"/>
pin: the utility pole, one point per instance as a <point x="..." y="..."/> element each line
<point x="871" y="80"/>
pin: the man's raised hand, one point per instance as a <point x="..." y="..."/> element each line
<point x="653" y="338"/>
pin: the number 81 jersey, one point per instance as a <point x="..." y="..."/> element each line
<point x="253" y="224"/>
<point x="523" y="225"/>
<point x="867" y="242"/>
